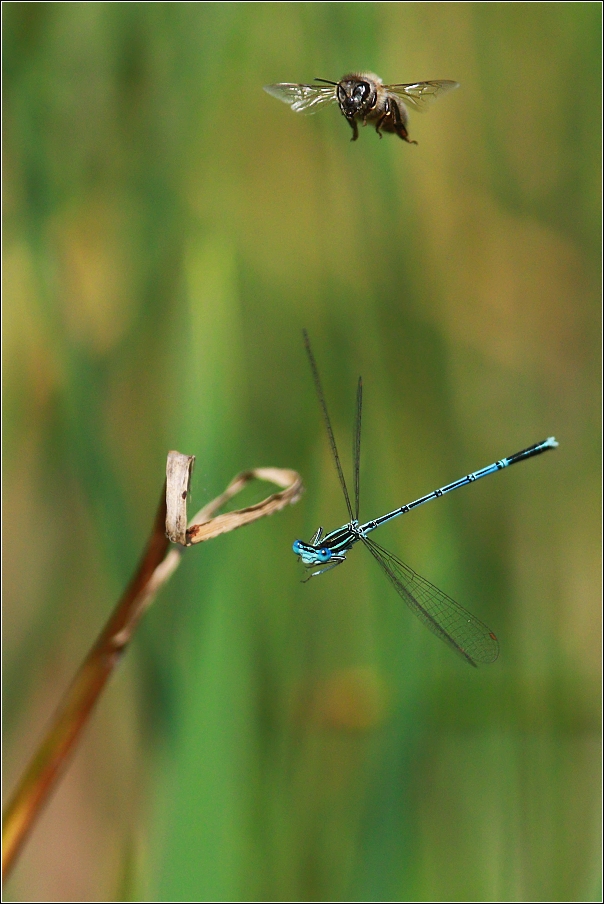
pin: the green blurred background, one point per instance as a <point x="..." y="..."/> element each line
<point x="168" y="230"/>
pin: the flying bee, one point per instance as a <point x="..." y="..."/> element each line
<point x="363" y="97"/>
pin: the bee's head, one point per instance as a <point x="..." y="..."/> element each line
<point x="355" y="95"/>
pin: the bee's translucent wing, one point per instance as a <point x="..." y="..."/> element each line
<point x="303" y="98"/>
<point x="420" y="95"/>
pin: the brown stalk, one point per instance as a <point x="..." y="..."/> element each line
<point x="156" y="566"/>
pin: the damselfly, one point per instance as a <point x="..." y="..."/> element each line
<point x="461" y="630"/>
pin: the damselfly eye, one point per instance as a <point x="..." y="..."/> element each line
<point x="324" y="555"/>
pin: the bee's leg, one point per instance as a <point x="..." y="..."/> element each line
<point x="379" y="123"/>
<point x="383" y="118"/>
<point x="355" y="129"/>
<point x="399" y="126"/>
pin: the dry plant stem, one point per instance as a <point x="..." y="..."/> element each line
<point x="74" y="710"/>
<point x="154" y="570"/>
<point x="179" y="468"/>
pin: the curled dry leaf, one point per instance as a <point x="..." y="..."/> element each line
<point x="204" y="525"/>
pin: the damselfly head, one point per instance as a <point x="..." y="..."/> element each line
<point x="310" y="555"/>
